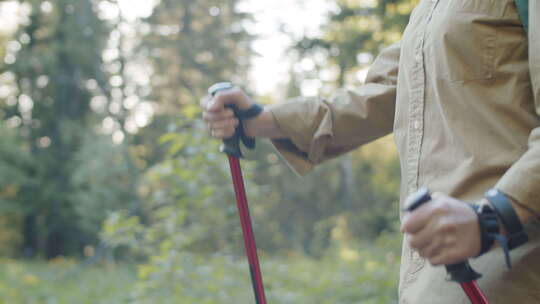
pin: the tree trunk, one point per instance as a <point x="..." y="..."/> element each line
<point x="29" y="246"/>
<point x="347" y="175"/>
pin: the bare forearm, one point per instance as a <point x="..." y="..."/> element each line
<point x="264" y="125"/>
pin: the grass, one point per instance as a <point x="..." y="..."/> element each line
<point x="366" y="275"/>
<point x="62" y="281"/>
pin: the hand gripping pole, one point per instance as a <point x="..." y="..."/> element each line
<point x="461" y="273"/>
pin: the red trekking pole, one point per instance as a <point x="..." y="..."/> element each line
<point x="231" y="147"/>
<point x="461" y="273"/>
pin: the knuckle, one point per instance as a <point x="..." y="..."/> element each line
<point x="228" y="113"/>
<point x="450" y="228"/>
<point x="220" y="98"/>
<point x="212" y="126"/>
<point x="221" y="123"/>
<point x="446" y="228"/>
<point x="450" y="241"/>
<point x="441" y="207"/>
<point x="219" y="134"/>
<point x="221" y="117"/>
<point x="438" y="259"/>
<point x="227" y="95"/>
<point x="235" y="92"/>
<point x="453" y="256"/>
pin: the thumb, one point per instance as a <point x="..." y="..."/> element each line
<point x="224" y="97"/>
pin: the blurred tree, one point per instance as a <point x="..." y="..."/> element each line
<point x="354" y="33"/>
<point x="184" y="46"/>
<point x="100" y="180"/>
<point x="360" y="188"/>
<point x="53" y="62"/>
<point x="15" y="173"/>
<point x="297" y="214"/>
<point x="191" y="45"/>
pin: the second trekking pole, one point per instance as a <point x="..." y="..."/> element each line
<point x="231" y="147"/>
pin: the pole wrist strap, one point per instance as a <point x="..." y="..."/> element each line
<point x="252" y="112"/>
<point x="489" y="216"/>
<point x="501" y="204"/>
<point x="490" y="231"/>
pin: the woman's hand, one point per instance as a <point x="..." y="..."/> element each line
<point x="219" y="119"/>
<point x="444" y="231"/>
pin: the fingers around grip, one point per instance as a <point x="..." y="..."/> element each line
<point x="223" y="133"/>
<point x="415" y="221"/>
<point x="211" y="117"/>
<point x="421" y="239"/>
<point x="224" y="124"/>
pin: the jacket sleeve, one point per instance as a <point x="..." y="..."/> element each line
<point x="319" y="129"/>
<point x="522" y="180"/>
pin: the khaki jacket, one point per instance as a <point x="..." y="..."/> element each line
<point x="461" y="93"/>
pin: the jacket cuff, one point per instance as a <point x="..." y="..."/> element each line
<point x="305" y="143"/>
<point x="295" y="159"/>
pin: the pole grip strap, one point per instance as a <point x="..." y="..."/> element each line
<point x="509" y="218"/>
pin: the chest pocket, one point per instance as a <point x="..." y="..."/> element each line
<point x="462" y="39"/>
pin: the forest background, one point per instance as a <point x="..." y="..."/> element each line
<point x="111" y="190"/>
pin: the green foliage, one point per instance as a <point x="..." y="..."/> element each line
<point x="57" y="53"/>
<point x="15" y="169"/>
<point x="181" y="195"/>
<point x="299" y="213"/>
<point x="362" y="274"/>
<point x="15" y="175"/>
<point x="100" y="180"/>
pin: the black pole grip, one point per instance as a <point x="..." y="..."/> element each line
<point x="462" y="272"/>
